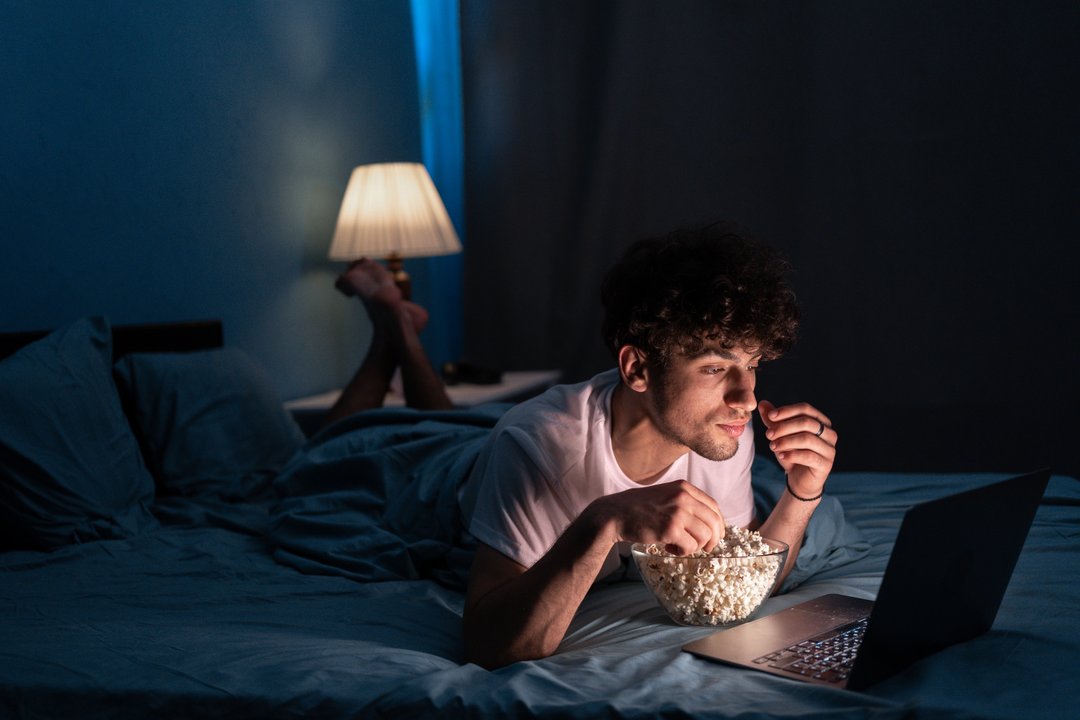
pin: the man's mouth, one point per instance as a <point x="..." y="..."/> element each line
<point x="734" y="429"/>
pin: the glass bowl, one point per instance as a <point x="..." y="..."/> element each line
<point x="711" y="590"/>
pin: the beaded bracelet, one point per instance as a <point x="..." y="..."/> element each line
<point x="797" y="497"/>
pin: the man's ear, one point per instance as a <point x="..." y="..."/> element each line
<point x="633" y="368"/>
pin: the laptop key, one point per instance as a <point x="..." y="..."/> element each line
<point x="784" y="662"/>
<point x="830" y="676"/>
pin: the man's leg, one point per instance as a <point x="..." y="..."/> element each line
<point x="395" y="342"/>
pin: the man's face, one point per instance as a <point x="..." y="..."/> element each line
<point x="704" y="402"/>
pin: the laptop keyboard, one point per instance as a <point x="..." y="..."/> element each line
<point x="827" y="657"/>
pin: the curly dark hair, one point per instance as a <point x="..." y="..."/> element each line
<point x="690" y="288"/>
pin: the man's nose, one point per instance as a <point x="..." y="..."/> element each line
<point x="740" y="394"/>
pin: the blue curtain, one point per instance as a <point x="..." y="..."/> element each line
<point x="437" y="282"/>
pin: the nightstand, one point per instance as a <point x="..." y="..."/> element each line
<point x="515" y="386"/>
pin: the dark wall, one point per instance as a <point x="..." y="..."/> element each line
<point x="179" y="160"/>
<point x="918" y="162"/>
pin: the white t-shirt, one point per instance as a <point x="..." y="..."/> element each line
<point x="551" y="456"/>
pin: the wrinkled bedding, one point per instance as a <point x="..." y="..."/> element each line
<point x="336" y="593"/>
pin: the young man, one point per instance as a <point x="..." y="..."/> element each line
<point x="657" y="450"/>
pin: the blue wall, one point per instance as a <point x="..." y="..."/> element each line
<point x="172" y="161"/>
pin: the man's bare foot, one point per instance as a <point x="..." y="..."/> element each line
<point x="369" y="280"/>
<point x="372" y="282"/>
<point x="417" y="314"/>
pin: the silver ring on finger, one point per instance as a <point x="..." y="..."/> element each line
<point x="820" y="429"/>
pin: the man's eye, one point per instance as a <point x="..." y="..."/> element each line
<point x="752" y="368"/>
<point x="713" y="370"/>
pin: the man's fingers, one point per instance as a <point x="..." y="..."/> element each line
<point x="765" y="410"/>
<point x="675" y="515"/>
<point x="801" y="418"/>
<point x="706" y="531"/>
<point x="695" y="521"/>
<point x="786" y="412"/>
<point x="806" y="441"/>
<point x="819" y="427"/>
<point x="700" y="495"/>
<point x="780" y="413"/>
<point x="807" y="458"/>
<point x="707" y="511"/>
<point x="803" y="439"/>
<point x="692" y="535"/>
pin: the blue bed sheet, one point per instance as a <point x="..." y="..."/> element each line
<point x="234" y="610"/>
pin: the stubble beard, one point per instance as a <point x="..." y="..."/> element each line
<point x="675" y="427"/>
<point x="710" y="448"/>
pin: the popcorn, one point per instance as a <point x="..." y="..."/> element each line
<point x="717" y="587"/>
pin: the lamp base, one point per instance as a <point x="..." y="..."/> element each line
<point x="396" y="265"/>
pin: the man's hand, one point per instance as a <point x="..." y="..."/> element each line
<point x="677" y="515"/>
<point x="804" y="442"/>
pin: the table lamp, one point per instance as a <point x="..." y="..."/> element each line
<point x="393" y="211"/>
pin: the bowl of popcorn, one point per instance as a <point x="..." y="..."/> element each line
<point x="723" y="586"/>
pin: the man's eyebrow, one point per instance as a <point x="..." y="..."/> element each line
<point x="724" y="354"/>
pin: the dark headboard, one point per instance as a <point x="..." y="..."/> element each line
<point x="151" y="337"/>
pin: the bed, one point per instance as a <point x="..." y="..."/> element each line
<point x="175" y="547"/>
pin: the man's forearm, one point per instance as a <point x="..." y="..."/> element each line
<point x="787" y="522"/>
<point x="527" y="616"/>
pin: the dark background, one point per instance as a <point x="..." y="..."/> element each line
<point x="916" y="161"/>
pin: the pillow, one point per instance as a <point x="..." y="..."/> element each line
<point x="210" y="423"/>
<point x="70" y="467"/>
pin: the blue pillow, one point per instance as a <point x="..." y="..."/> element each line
<point x="70" y="467"/>
<point x="210" y="422"/>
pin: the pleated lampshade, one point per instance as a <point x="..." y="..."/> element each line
<point x="392" y="210"/>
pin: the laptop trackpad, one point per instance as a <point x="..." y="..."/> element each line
<point x="843" y="608"/>
<point x="742" y="643"/>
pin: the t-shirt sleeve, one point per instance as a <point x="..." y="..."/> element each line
<point x="514" y="511"/>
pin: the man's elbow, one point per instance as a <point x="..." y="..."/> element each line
<point x="492" y="655"/>
<point x="487" y="659"/>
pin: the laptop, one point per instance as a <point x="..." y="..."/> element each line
<point x="944" y="582"/>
